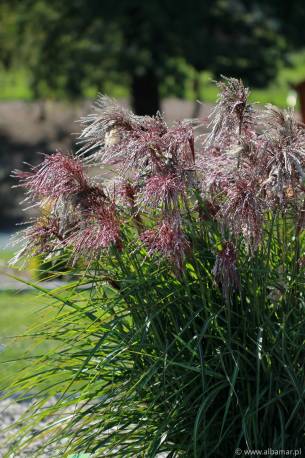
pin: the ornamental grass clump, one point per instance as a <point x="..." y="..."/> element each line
<point x="183" y="329"/>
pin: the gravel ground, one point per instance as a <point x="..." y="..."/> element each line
<point x="10" y="412"/>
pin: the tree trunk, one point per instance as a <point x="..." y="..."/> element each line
<point x="145" y="93"/>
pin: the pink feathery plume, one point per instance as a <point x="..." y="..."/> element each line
<point x="95" y="232"/>
<point x="181" y="144"/>
<point x="285" y="155"/>
<point x="167" y="240"/>
<point x="243" y="209"/>
<point x="43" y="237"/>
<point x="162" y="189"/>
<point x="216" y="170"/>
<point x="231" y="114"/>
<point x="225" y="269"/>
<point x="147" y="152"/>
<point x="89" y="198"/>
<point x="57" y="175"/>
<point x="114" y="134"/>
<point x="127" y="192"/>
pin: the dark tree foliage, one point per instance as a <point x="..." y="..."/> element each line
<point x="70" y="45"/>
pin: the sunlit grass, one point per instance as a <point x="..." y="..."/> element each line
<point x="19" y="314"/>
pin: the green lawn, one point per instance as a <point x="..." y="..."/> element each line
<point x="20" y="313"/>
<point x="6" y="255"/>
<point x="15" y="85"/>
<point x="21" y="316"/>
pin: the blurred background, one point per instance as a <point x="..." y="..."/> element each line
<point x="56" y="56"/>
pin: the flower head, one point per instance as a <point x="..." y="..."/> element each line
<point x="231" y="114"/>
<point x="168" y="240"/>
<point x="57" y="175"/>
<point x="94" y="232"/>
<point x="243" y="209"/>
<point x="89" y="198"/>
<point x="42" y="237"/>
<point x="180" y="144"/>
<point x="285" y="155"/>
<point x="115" y="134"/>
<point x="225" y="269"/>
<point x="162" y="189"/>
<point x="127" y="191"/>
